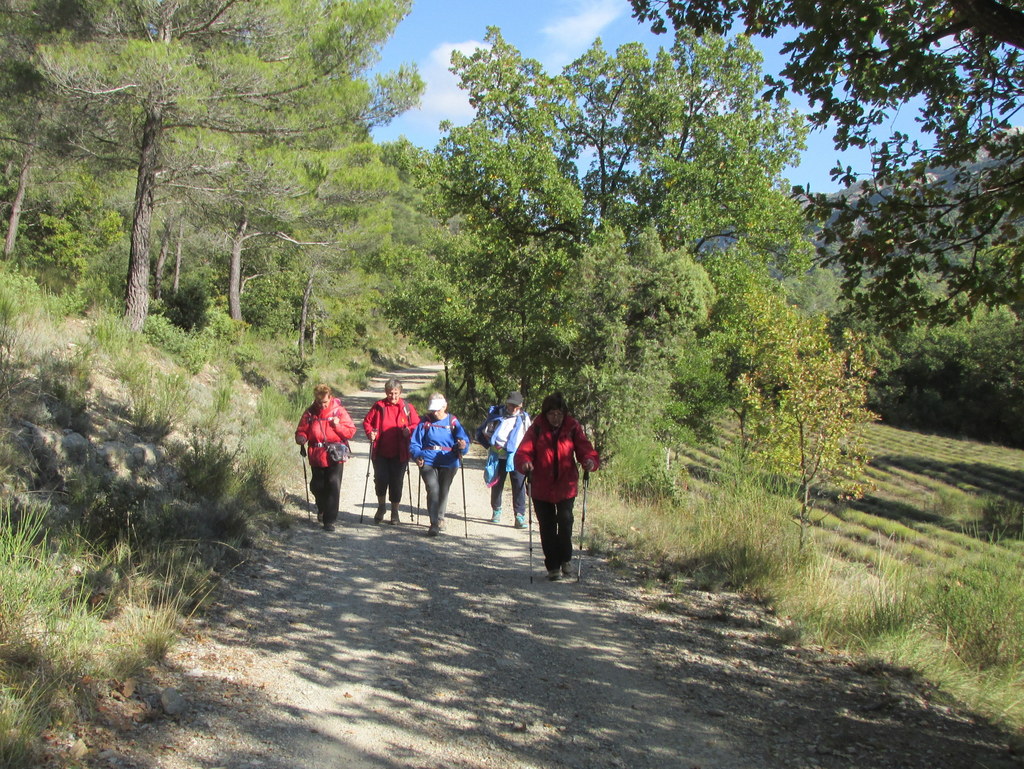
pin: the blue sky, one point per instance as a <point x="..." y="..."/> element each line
<point x="554" y="32"/>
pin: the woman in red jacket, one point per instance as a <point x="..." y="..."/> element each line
<point x="389" y="424"/>
<point x="548" y="456"/>
<point x="326" y="421"/>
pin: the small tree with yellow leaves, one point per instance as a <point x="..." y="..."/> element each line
<point x="807" y="403"/>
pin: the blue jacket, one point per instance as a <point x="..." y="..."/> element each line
<point x="434" y="442"/>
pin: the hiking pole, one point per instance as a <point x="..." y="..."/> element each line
<point x="366" y="483"/>
<point x="529" y="500"/>
<point x="408" y="485"/>
<point x="419" y="495"/>
<point x="583" y="523"/>
<point x="465" y="513"/>
<point x="305" y="478"/>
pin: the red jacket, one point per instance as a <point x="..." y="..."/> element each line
<point x="554" y="455"/>
<point x="322" y="426"/>
<point x="388" y="420"/>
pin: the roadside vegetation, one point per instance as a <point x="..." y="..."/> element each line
<point x="923" y="572"/>
<point x="620" y="230"/>
<point x="100" y="559"/>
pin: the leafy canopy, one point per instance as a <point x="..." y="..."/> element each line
<point x="595" y="194"/>
<point x="934" y="232"/>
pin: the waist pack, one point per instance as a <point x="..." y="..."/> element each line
<point x="338" y="452"/>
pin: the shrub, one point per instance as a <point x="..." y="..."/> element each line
<point x="191" y="351"/>
<point x="643" y="469"/>
<point x="158" y="401"/>
<point x="188" y="307"/>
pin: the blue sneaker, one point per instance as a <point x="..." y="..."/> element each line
<point x="496" y="516"/>
<point x="520" y="522"/>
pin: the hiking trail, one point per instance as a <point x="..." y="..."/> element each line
<point x="375" y="646"/>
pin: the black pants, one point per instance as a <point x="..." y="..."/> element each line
<point x="326" y="487"/>
<point x="555" y="524"/>
<point x="389" y="477"/>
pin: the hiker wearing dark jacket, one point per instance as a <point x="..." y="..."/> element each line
<point x="389" y="424"/>
<point x="437" y="445"/>
<point x="548" y="455"/>
<point x="325" y="422"/>
<point x="501" y="434"/>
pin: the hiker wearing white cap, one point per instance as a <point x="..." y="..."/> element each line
<point x="437" y="445"/>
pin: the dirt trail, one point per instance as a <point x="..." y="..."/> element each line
<point x="375" y="646"/>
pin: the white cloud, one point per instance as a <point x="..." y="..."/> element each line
<point x="442" y="97"/>
<point x="570" y="35"/>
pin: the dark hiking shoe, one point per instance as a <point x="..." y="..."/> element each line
<point x="554" y="575"/>
<point x="328" y="527"/>
<point x="433" y="531"/>
<point x="394" y="517"/>
<point x="567" y="569"/>
<point x="379" y="515"/>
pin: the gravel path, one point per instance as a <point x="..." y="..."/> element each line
<point x="374" y="646"/>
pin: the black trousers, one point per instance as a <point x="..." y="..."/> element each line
<point x="389" y="477"/>
<point x="555" y="523"/>
<point x="325" y="484"/>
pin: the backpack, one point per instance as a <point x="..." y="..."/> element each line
<point x="485" y="433"/>
<point x="452" y="422"/>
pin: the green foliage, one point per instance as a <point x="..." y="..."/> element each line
<point x="187" y="308"/>
<point x="642" y="468"/>
<point x="586" y="275"/>
<point x="158" y="401"/>
<point x="267" y="85"/>
<point x="965" y="379"/>
<point x="61" y="243"/>
<point x="807" y="403"/>
<point x="271" y="304"/>
<point x="112" y="336"/>
<point x="936" y="230"/>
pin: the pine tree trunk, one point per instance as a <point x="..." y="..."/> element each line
<point x="304" y="317"/>
<point x="161" y="261"/>
<point x="136" y="295"/>
<point x="18" y="202"/>
<point x="177" y="255"/>
<point x="235" y="271"/>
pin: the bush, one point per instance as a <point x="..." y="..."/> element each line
<point x="188" y="307"/>
<point x="159" y="401"/>
<point x="643" y="469"/>
<point x="191" y="351"/>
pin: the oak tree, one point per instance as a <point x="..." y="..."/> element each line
<point x="934" y="230"/>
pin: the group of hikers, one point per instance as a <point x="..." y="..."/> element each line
<point x="538" y="457"/>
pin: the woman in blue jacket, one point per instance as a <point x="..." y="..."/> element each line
<point x="437" y="445"/>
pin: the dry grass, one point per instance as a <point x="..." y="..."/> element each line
<point x="925" y="570"/>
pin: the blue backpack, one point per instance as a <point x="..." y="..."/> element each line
<point x="485" y="433"/>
